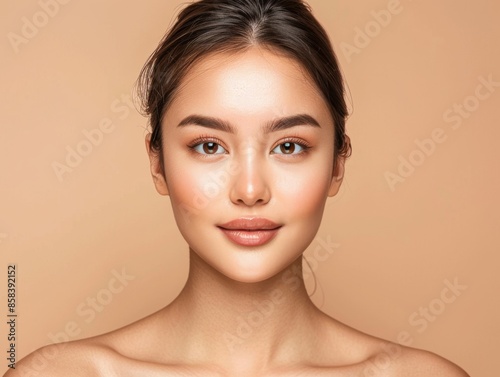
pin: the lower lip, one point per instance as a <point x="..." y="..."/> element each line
<point x="250" y="237"/>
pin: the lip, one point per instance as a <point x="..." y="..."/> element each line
<point x="250" y="231"/>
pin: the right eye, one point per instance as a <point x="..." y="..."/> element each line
<point x="208" y="148"/>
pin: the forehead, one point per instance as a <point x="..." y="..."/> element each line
<point x="252" y="82"/>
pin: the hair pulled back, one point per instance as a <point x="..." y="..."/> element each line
<point x="214" y="26"/>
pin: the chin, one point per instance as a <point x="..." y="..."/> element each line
<point x="254" y="267"/>
<point x="250" y="277"/>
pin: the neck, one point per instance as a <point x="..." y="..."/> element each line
<point x="255" y="324"/>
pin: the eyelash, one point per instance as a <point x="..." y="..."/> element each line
<point x="210" y="139"/>
<point x="201" y="140"/>
<point x="300" y="142"/>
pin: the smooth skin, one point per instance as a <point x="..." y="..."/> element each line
<point x="215" y="174"/>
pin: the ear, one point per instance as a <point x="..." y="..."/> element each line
<point x="337" y="177"/>
<point x="155" y="167"/>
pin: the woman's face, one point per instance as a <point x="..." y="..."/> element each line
<point x="247" y="137"/>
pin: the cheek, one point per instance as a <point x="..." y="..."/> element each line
<point x="191" y="185"/>
<point x="305" y="190"/>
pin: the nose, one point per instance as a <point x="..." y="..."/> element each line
<point x="250" y="186"/>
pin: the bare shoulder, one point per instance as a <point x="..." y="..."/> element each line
<point x="77" y="358"/>
<point x="393" y="359"/>
<point x="108" y="354"/>
<point x="420" y="363"/>
<point x="373" y="356"/>
<point x="100" y="356"/>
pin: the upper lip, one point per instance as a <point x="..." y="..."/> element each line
<point x="250" y="223"/>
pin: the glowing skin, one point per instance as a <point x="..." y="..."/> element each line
<point x="248" y="172"/>
<point x="216" y="326"/>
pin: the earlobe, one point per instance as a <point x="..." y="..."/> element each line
<point x="337" y="177"/>
<point x="155" y="167"/>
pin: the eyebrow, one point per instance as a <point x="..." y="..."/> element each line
<point x="271" y="126"/>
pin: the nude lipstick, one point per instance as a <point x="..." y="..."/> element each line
<point x="250" y="231"/>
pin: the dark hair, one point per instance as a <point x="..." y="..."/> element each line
<point x="210" y="26"/>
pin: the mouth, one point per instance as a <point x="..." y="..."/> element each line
<point x="250" y="231"/>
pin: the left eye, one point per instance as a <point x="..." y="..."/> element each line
<point x="209" y="148"/>
<point x="288" y="148"/>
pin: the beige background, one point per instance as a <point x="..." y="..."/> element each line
<point x="396" y="247"/>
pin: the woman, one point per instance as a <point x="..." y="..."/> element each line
<point x="246" y="104"/>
